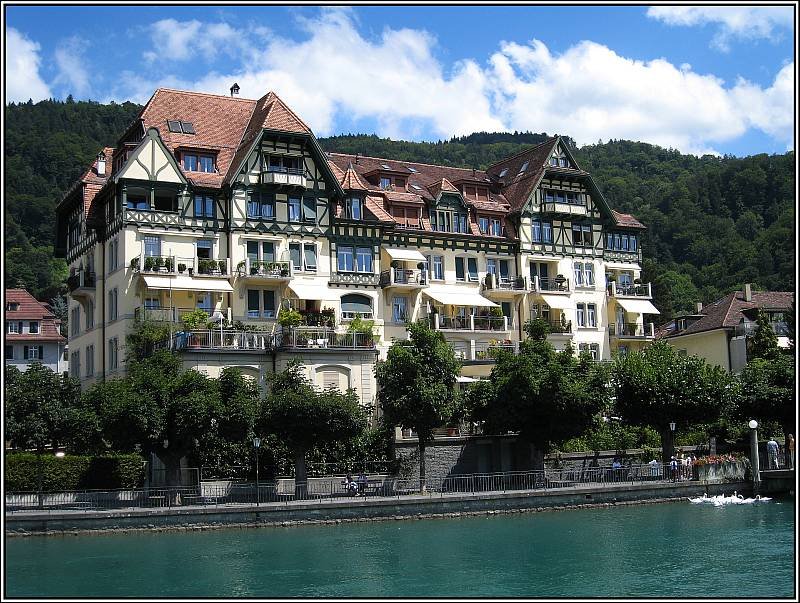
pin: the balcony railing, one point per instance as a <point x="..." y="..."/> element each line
<point x="630" y="290"/>
<point x="441" y="322"/>
<point x="82" y="279"/>
<point x="557" y="327"/>
<point x="355" y="278"/>
<point x="631" y="330"/>
<point x="572" y="209"/>
<point x="265" y="269"/>
<point x="494" y="282"/>
<point x="481" y="350"/>
<point x="169" y="314"/>
<point x="174" y="265"/>
<point x="404" y="277"/>
<point x="324" y="339"/>
<point x="283" y="175"/>
<point x="748" y="329"/>
<point x="215" y="340"/>
<point x="551" y="284"/>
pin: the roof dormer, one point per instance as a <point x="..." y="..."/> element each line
<point x="559" y="158"/>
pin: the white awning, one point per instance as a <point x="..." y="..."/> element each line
<point x="640" y="306"/>
<point x="187" y="283"/>
<point x="623" y="265"/>
<point x="562" y="302"/>
<point x="451" y="297"/>
<point x="308" y="290"/>
<point x="409" y="255"/>
<point x="461" y="379"/>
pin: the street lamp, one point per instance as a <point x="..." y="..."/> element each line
<point x="257" y="445"/>
<point x="753" y="425"/>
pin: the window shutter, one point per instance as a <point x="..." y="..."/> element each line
<point x="356" y="303"/>
<point x="25" y="352"/>
<point x="311" y="257"/>
<point x="472" y="267"/>
<point x="504" y="268"/>
<point x="310" y="209"/>
<point x="41" y="352"/>
<point x="330" y="379"/>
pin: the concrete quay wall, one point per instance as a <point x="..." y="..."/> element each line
<point x="357" y="509"/>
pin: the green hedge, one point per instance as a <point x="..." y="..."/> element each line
<point x="73" y="472"/>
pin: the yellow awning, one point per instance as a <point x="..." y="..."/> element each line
<point x="407" y="255"/>
<point x="639" y="306"/>
<point x="308" y="290"/>
<point x="187" y="283"/>
<point x="562" y="302"/>
<point x="459" y="297"/>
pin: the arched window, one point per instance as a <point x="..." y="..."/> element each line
<point x="354" y="305"/>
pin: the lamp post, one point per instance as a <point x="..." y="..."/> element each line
<point x="257" y="445"/>
<point x="753" y="425"/>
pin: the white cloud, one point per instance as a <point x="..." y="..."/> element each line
<point x="588" y="92"/>
<point x="73" y="75"/>
<point x="743" y="22"/>
<point x="22" y="77"/>
<point x="187" y="40"/>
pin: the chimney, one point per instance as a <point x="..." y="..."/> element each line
<point x="234" y="89"/>
<point x="356" y="158"/>
<point x="699" y="307"/>
<point x="101" y="164"/>
<point x="748" y="293"/>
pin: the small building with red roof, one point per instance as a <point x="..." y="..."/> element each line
<point x="32" y="333"/>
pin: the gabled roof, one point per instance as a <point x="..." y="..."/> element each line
<point x="351" y="181"/>
<point x="444" y="184"/>
<point x="627" y="220"/>
<point x="728" y="311"/>
<point x="518" y="184"/>
<point x="31" y="309"/>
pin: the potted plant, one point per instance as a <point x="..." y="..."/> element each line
<point x="168" y="264"/>
<point x="284" y="269"/>
<point x="181" y="268"/>
<point x="395" y="264"/>
<point x="223" y="266"/>
<point x="240" y="267"/>
<point x="202" y="267"/>
<point x="135" y="264"/>
<point x="159" y="263"/>
<point x="289" y="317"/>
<point x="149" y="264"/>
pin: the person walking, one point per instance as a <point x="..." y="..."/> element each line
<point x="790" y="447"/>
<point x="673" y="469"/>
<point x="772" y="453"/>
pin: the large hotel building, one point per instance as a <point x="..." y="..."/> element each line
<point x="230" y="206"/>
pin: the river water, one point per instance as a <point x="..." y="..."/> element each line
<point x="671" y="549"/>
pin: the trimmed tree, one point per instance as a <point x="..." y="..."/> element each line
<point x="416" y="385"/>
<point x="301" y="417"/>
<point x="657" y="386"/>
<point x="764" y="343"/>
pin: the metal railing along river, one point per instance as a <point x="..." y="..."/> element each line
<point x="333" y="488"/>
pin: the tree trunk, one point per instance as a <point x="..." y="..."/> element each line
<point x="667" y="445"/>
<point x="300" y="477"/>
<point x="422" y="484"/>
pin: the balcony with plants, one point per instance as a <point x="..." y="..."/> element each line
<point x="490" y="321"/>
<point x="402" y="277"/>
<point x="504" y="287"/>
<point x="264" y="270"/>
<point x="172" y="265"/>
<point x="317" y="330"/>
<point x="199" y="332"/>
<point x="637" y="289"/>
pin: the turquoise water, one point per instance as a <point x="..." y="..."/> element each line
<point x="675" y="549"/>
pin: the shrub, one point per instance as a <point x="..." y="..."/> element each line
<point x="72" y="472"/>
<point x="223" y="266"/>
<point x="149" y="263"/>
<point x="289" y="317"/>
<point x="195" y="319"/>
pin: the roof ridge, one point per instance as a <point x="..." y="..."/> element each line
<point x="289" y="109"/>
<point x="195" y="93"/>
<point x="437" y="165"/>
<point x="528" y="150"/>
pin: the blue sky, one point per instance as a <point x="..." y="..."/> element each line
<point x="698" y="79"/>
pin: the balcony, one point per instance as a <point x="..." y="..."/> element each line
<point x="748" y="329"/>
<point x="305" y="338"/>
<point x="404" y="278"/>
<point x="368" y="279"/>
<point x="504" y="286"/>
<point x="284" y="175"/>
<point x="557" y="284"/>
<point x="441" y="322"/>
<point x="639" y="290"/>
<point x="171" y="265"/>
<point x="631" y="331"/>
<point x="564" y="209"/>
<point x="265" y="270"/>
<point x="558" y="327"/>
<point x="171" y="314"/>
<point x="211" y="340"/>
<point x="81" y="284"/>
<point x="476" y="351"/>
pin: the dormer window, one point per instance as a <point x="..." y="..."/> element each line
<point x="284" y="164"/>
<point x="385" y="183"/>
<point x="12" y="306"/>
<point x="353" y="208"/>
<point x="193" y="162"/>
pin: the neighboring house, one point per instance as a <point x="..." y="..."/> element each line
<point x="32" y="333"/>
<point x="229" y="205"/>
<point x="718" y="332"/>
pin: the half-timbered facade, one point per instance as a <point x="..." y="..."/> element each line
<point x="229" y="206"/>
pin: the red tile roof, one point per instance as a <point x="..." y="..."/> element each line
<point x="728" y="311"/>
<point x="31" y="309"/>
<point x="627" y="220"/>
<point x="350" y="181"/>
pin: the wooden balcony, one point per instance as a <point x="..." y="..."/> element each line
<point x="282" y="175"/>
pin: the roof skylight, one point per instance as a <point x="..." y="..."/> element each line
<point x="503" y="173"/>
<point x="180" y="127"/>
<point x="174" y="126"/>
<point x="412" y="170"/>
<point x="188" y="128"/>
<point x="414" y="186"/>
<point x="385" y="167"/>
<point x="524" y="167"/>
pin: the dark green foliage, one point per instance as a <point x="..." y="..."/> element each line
<point x="613" y="435"/>
<point x="764" y="343"/>
<point x="140" y="341"/>
<point x="657" y="386"/>
<point x="73" y="472"/>
<point x="767" y="392"/>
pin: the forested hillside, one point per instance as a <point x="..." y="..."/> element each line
<point x="713" y="223"/>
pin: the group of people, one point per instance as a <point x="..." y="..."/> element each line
<point x="680" y="467"/>
<point x="355" y="487"/>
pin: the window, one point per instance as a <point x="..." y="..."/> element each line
<point x="437" y="270"/>
<point x="592" y="348"/>
<point x="364" y="259"/>
<point x="113" y="255"/>
<point x="309" y="209"/>
<point x="385" y="182"/>
<point x="260" y="204"/>
<point x="89" y="360"/>
<point x="591" y="315"/>
<point x="267" y="251"/>
<point x="137" y="198"/>
<point x="547" y="232"/>
<point x="303" y="256"/>
<point x="310" y="257"/>
<point x="617" y="241"/>
<point x="9" y="352"/>
<point x="578" y="272"/>
<point x="152" y="246"/>
<point x="174" y="126"/>
<point x="12" y="306"/>
<point x="588" y="275"/>
<point x="581" y="315"/>
<point x="204" y="302"/>
<point x="268" y="296"/>
<point x="205" y="249"/>
<point x="295" y="256"/>
<point x="399" y="305"/>
<point x="536" y="231"/>
<point x="165" y="200"/>
<point x="496" y="229"/>
<point x="14" y="327"/>
<point x="524" y="167"/>
<point x="33" y="327"/>
<point x="75" y="321"/>
<point x="356" y="306"/>
<point x="581" y="235"/>
<point x="483" y="225"/>
<point x="152" y="303"/>
<point x="541" y="311"/>
<point x="112" y="304"/>
<point x="190" y="162"/>
<point x="353" y="208"/>
<point x="472" y="269"/>
<point x="253" y="301"/>
<point x="492" y="266"/>
<point x="113" y="353"/>
<point x="345" y="260"/>
<point x="203" y="206"/>
<point x="460" y="273"/>
<point x="90" y="315"/>
<point x="33" y="352"/>
<point x="75" y="364"/>
<point x="294" y="209"/>
<point x="205" y="163"/>
<point x="284" y="164"/>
